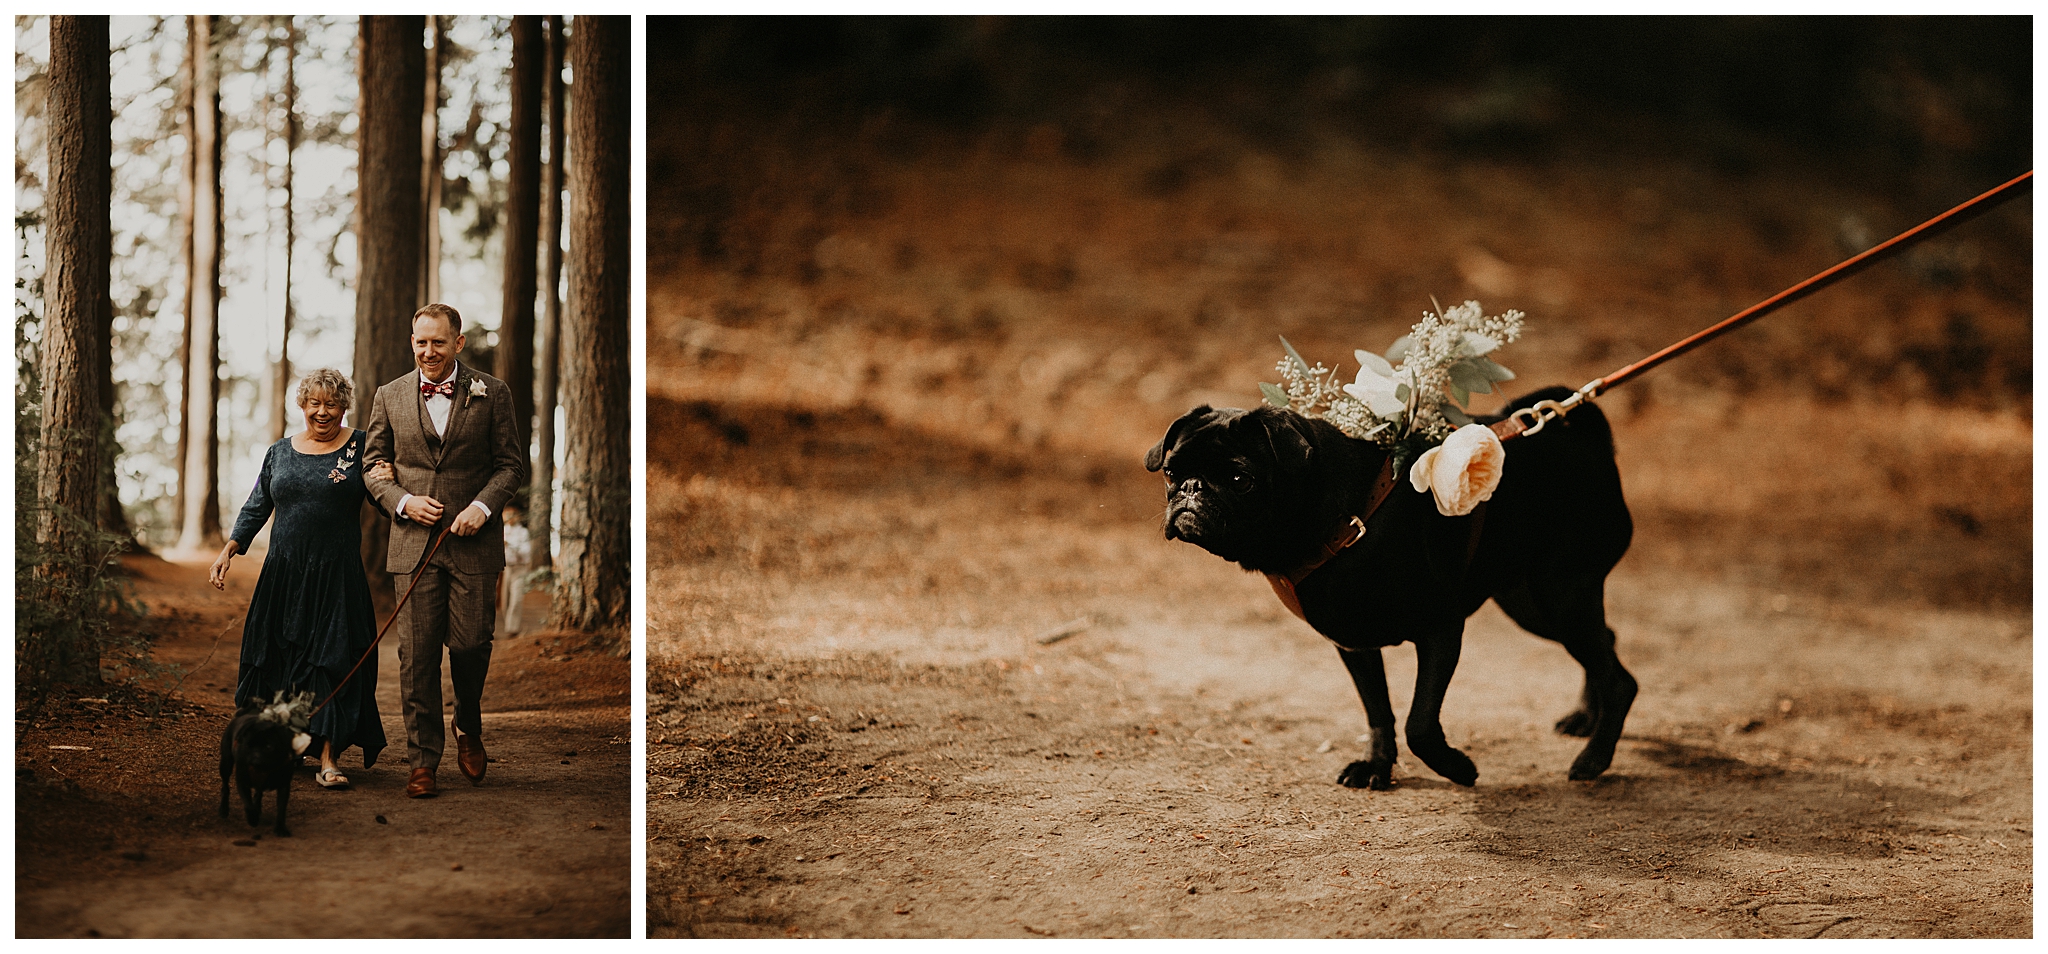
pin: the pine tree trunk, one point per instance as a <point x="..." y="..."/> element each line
<point x="596" y="579"/>
<point x="112" y="517"/>
<point x="540" y="509"/>
<point x="514" y="357"/>
<point x="282" y="374"/>
<point x="388" y="200"/>
<point x="76" y="295"/>
<point x="388" y="240"/>
<point x="201" y="525"/>
<point x="430" y="170"/>
<point x="188" y="185"/>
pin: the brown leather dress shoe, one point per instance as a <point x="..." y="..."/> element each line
<point x="421" y="785"/>
<point x="469" y="756"/>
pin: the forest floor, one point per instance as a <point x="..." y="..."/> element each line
<point x="116" y="797"/>
<point x="922" y="664"/>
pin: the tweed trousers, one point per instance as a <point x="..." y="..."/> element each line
<point x="452" y="611"/>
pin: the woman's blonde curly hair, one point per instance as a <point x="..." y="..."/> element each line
<point x="329" y="381"/>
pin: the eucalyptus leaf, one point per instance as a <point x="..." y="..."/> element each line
<point x="1399" y="349"/>
<point x="1373" y="363"/>
<point x="1468" y="376"/>
<point x="1401" y="392"/>
<point x="1274" y="395"/>
<point x="1463" y="396"/>
<point x="1455" y="416"/>
<point x="1295" y="356"/>
<point x="1493" y="369"/>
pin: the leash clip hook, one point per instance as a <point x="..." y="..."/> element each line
<point x="1533" y="417"/>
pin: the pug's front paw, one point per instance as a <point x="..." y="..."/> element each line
<point x="1368" y="774"/>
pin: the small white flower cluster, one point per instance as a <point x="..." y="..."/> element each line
<point x="295" y="713"/>
<point x="1418" y="389"/>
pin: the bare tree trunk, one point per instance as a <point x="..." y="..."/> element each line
<point x="283" y="371"/>
<point x="112" y="517"/>
<point x="430" y="169"/>
<point x="188" y="186"/>
<point x="201" y="525"/>
<point x="388" y="241"/>
<point x="388" y="199"/>
<point x="514" y="357"/>
<point x="76" y="292"/>
<point x="541" y="501"/>
<point x="596" y="579"/>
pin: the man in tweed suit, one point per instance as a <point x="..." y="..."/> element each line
<point x="457" y="454"/>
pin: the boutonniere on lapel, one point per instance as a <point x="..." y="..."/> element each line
<point x="476" y="390"/>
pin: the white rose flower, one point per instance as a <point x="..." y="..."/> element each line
<point x="476" y="387"/>
<point x="1462" y="471"/>
<point x="1375" y="387"/>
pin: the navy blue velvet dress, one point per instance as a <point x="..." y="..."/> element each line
<point x="310" y="619"/>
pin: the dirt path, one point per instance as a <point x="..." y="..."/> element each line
<point x="856" y="731"/>
<point x="123" y="840"/>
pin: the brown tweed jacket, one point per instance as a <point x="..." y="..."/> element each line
<point x="482" y="457"/>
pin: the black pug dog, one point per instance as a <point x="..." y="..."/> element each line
<point x="1270" y="490"/>
<point x="257" y="750"/>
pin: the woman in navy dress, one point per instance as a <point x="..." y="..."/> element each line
<point x="310" y="619"/>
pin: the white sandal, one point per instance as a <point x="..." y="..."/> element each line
<point x="330" y="778"/>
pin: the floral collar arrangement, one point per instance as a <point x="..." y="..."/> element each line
<point x="1413" y="401"/>
<point x="295" y="714"/>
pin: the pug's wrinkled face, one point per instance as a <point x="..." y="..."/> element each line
<point x="1227" y="472"/>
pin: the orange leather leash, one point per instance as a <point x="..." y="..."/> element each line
<point x="1529" y="420"/>
<point x="387" y="623"/>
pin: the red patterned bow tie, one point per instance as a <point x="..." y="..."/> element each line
<point x="445" y="389"/>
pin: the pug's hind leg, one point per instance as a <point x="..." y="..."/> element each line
<point x="1574" y="614"/>
<point x="1436" y="658"/>
<point x="1369" y="675"/>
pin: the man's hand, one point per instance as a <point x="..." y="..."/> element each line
<point x="469" y="521"/>
<point x="424" y="510"/>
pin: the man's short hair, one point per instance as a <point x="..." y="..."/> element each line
<point x="446" y="313"/>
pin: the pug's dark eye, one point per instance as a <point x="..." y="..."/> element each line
<point x="1240" y="482"/>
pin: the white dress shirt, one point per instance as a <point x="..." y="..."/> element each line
<point x="438" y="406"/>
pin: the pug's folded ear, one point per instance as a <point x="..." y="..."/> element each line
<point x="1288" y="439"/>
<point x="1156" y="457"/>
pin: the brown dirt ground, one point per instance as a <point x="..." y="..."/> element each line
<point x="901" y="385"/>
<point x="123" y="839"/>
